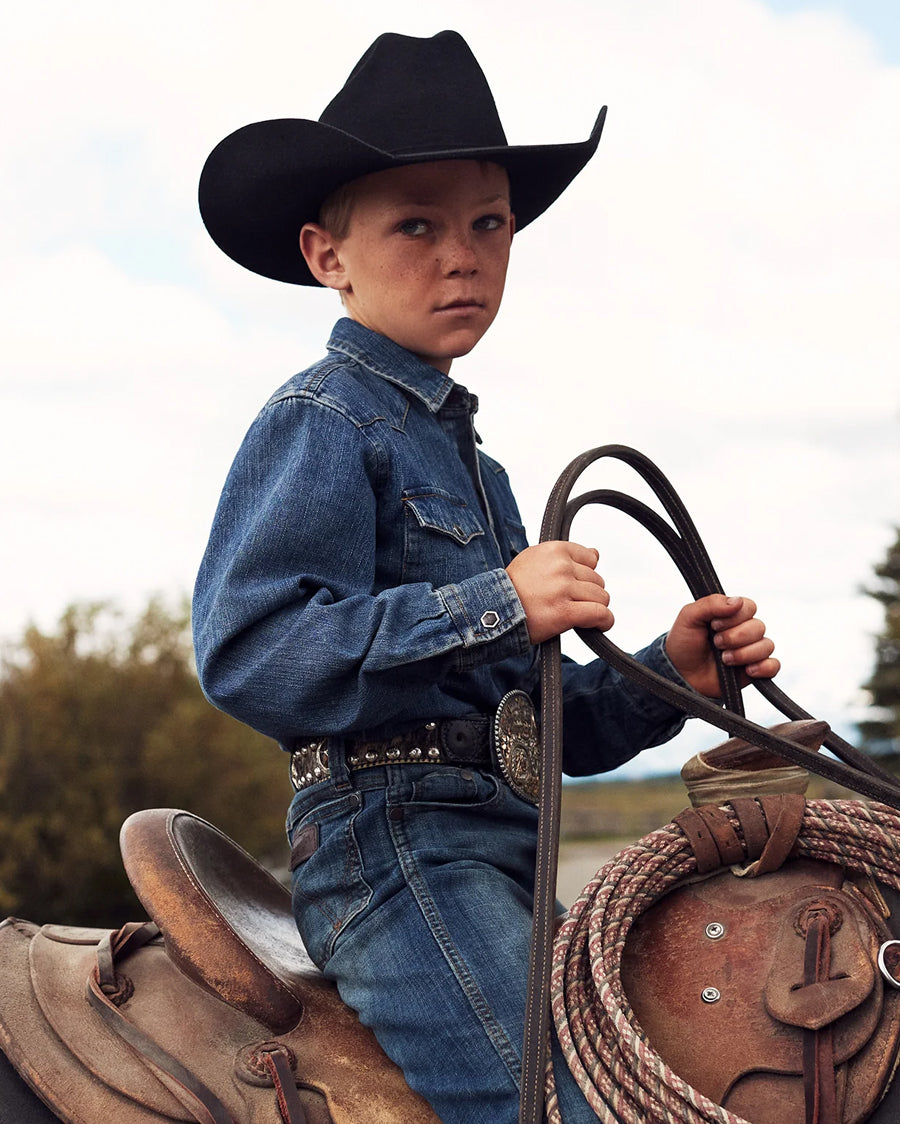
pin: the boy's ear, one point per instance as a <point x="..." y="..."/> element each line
<point x="321" y="254"/>
<point x="512" y="225"/>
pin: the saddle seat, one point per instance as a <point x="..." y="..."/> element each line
<point x="211" y="1012"/>
<point x="226" y="922"/>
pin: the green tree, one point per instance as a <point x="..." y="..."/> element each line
<point x="98" y="719"/>
<point x="881" y="732"/>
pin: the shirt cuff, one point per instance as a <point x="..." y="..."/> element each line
<point x="655" y="657"/>
<point x="489" y="617"/>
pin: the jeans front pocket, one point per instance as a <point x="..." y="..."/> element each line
<point x="328" y="888"/>
<point x="454" y="787"/>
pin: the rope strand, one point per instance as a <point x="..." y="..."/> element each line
<point x="622" y="1077"/>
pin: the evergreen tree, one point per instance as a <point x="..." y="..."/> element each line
<point x="881" y="732"/>
<point x="101" y="718"/>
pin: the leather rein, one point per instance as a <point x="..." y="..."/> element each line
<point x="852" y="768"/>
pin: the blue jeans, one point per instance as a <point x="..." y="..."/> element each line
<point x="413" y="889"/>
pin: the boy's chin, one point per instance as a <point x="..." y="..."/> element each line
<point x="443" y="360"/>
<point x="461" y="345"/>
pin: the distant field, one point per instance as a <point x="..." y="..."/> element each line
<point x="599" y="818"/>
<point x="628" y="809"/>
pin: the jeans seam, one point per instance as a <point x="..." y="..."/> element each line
<point x="433" y="919"/>
<point x="353" y="872"/>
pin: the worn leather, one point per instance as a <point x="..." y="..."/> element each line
<point x="685" y="548"/>
<point x="745" y="1051"/>
<point x="226" y="922"/>
<point x="226" y="978"/>
<point x="737" y="769"/>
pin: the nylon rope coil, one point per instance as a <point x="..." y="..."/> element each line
<point x="622" y="1077"/>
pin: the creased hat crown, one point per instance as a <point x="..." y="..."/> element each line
<point x="408" y="96"/>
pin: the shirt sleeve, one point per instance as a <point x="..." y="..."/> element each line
<point x="293" y="631"/>
<point x="608" y="718"/>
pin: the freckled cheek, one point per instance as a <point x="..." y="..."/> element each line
<point x="410" y="284"/>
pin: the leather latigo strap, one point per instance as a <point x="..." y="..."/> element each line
<point x="812" y="981"/>
<point x="819" y="1074"/>
<point x="769" y="828"/>
<point x="106" y="989"/>
<point x="684" y="546"/>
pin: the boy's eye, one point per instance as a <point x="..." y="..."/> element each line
<point x="413" y="227"/>
<point x="489" y="222"/>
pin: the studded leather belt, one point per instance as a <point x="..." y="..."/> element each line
<point x="506" y="743"/>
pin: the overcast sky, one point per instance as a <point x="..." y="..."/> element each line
<point x="718" y="288"/>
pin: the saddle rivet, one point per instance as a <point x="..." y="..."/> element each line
<point x="393" y="754"/>
<point x="433" y="753"/>
<point x="431" y="725"/>
<point x="415" y="753"/>
<point x="715" y="930"/>
<point x="353" y="759"/>
<point x="710" y="995"/>
<point x="370" y="756"/>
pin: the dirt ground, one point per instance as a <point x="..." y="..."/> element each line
<point x="579" y="862"/>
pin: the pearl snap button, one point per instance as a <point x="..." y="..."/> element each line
<point x="490" y="619"/>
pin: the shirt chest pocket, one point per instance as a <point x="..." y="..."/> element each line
<point x="444" y="539"/>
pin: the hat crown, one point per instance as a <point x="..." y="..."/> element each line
<point x="408" y="95"/>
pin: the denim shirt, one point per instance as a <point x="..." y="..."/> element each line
<point x="354" y="582"/>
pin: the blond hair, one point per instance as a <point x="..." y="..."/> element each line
<point x="337" y="210"/>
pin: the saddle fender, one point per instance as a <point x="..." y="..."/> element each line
<point x="212" y="1012"/>
<point x="719" y="978"/>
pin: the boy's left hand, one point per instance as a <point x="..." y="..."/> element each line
<point x="736" y="633"/>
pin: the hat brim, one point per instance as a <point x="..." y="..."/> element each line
<point x="262" y="183"/>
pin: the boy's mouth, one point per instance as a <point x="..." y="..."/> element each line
<point x="462" y="305"/>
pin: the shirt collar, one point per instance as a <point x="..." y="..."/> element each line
<point x="391" y="362"/>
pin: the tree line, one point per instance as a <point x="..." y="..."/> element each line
<point x="99" y="718"/>
<point x="880" y="732"/>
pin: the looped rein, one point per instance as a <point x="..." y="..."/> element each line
<point x="682" y="542"/>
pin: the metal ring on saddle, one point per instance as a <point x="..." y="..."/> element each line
<point x="889" y="962"/>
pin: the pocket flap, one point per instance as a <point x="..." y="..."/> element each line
<point x="446" y="514"/>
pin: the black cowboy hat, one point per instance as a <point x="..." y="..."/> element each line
<point x="407" y="101"/>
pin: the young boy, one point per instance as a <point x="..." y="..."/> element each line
<point x="368" y="597"/>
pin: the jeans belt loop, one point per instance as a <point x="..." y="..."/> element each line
<point x="336" y="762"/>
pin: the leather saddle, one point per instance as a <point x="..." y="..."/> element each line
<point x="211" y="1012"/>
<point x="769" y="986"/>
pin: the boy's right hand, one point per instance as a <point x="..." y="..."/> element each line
<point x="559" y="588"/>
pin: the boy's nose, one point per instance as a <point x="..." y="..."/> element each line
<point x="458" y="256"/>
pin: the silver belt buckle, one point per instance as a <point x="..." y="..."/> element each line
<point x="309" y="764"/>
<point x="517" y="745"/>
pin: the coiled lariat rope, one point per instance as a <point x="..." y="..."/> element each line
<point x="626" y="1081"/>
<point x="622" y="1077"/>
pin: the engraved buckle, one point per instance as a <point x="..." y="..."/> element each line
<point x="309" y="764"/>
<point x="517" y="745"/>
